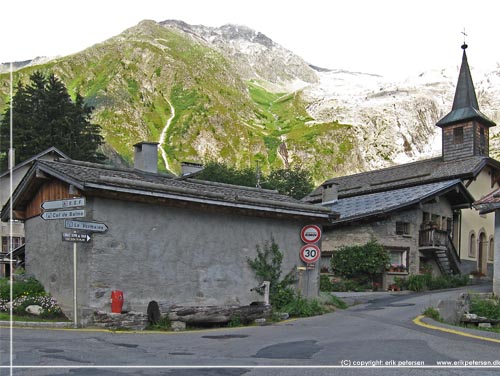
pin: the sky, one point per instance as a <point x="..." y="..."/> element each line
<point x="387" y="37"/>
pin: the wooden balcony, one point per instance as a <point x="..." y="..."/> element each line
<point x="440" y="245"/>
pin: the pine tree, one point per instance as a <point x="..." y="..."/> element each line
<point x="44" y="116"/>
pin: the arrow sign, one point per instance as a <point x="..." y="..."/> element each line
<point x="62" y="204"/>
<point x="62" y="214"/>
<point x="87" y="226"/>
<point x="76" y="237"/>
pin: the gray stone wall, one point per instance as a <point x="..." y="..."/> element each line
<point x="152" y="252"/>
<point x="384" y="231"/>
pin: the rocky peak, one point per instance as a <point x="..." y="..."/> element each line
<point x="255" y="55"/>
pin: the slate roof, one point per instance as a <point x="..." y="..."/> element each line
<point x="91" y="177"/>
<point x="355" y="208"/>
<point x="406" y="175"/>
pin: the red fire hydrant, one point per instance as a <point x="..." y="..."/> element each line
<point x="116" y="301"/>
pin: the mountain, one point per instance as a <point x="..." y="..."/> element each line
<point x="232" y="94"/>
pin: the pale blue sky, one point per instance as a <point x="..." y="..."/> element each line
<point x="375" y="36"/>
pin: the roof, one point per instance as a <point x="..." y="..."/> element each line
<point x="52" y="150"/>
<point x="406" y="175"/>
<point x="91" y="178"/>
<point x="488" y="203"/>
<point x="465" y="106"/>
<point x="373" y="204"/>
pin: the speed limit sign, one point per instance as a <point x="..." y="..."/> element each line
<point x="310" y="253"/>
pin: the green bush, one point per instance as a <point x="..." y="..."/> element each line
<point x="418" y="282"/>
<point x="325" y="283"/>
<point x="267" y="267"/>
<point x="422" y="282"/>
<point x="301" y="307"/>
<point x="489" y="308"/>
<point x="28" y="287"/>
<point x="355" y="262"/>
<point x="25" y="293"/>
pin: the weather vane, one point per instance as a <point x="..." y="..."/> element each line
<point x="464" y="46"/>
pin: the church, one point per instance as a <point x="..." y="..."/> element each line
<point x="422" y="211"/>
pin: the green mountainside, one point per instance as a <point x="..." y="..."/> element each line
<point x="135" y="79"/>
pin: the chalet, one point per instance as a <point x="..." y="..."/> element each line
<point x="422" y="211"/>
<point x="177" y="240"/>
<point x="12" y="234"/>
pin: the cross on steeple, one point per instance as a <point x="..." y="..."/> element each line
<point x="464" y="46"/>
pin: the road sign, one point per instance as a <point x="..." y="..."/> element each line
<point x="310" y="234"/>
<point x="310" y="253"/>
<point x="75" y="237"/>
<point x="63" y="214"/>
<point x="62" y="204"/>
<point x="87" y="226"/>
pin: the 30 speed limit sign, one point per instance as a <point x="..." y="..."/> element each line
<point x="310" y="253"/>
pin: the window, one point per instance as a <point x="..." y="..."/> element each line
<point x="402" y="228"/>
<point x="16" y="242"/>
<point x="482" y="140"/>
<point x="458" y="135"/>
<point x="491" y="249"/>
<point x="399" y="260"/>
<point x="472" y="245"/>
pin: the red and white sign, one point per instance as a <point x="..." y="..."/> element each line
<point x="310" y="253"/>
<point x="310" y="234"/>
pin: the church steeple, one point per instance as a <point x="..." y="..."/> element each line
<point x="465" y="129"/>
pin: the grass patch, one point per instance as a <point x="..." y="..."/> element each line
<point x="432" y="313"/>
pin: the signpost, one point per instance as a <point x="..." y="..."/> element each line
<point x="87" y="226"/>
<point x="63" y="204"/>
<point x="310" y="253"/>
<point x="310" y="234"/>
<point x="62" y="214"/>
<point x="76" y="237"/>
<point x="54" y="213"/>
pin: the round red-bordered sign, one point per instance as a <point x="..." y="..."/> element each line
<point x="310" y="234"/>
<point x="310" y="253"/>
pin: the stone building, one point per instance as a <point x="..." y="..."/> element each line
<point x="175" y="240"/>
<point x="465" y="156"/>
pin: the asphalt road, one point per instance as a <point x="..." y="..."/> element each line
<point x="379" y="333"/>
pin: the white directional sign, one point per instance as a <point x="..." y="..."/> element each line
<point x="75" y="237"/>
<point x="62" y="204"/>
<point x="87" y="226"/>
<point x="63" y="214"/>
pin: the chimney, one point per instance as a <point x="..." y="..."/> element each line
<point x="330" y="193"/>
<point x="146" y="156"/>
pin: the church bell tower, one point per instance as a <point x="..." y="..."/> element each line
<point x="465" y="130"/>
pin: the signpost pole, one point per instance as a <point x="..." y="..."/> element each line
<point x="74" y="288"/>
